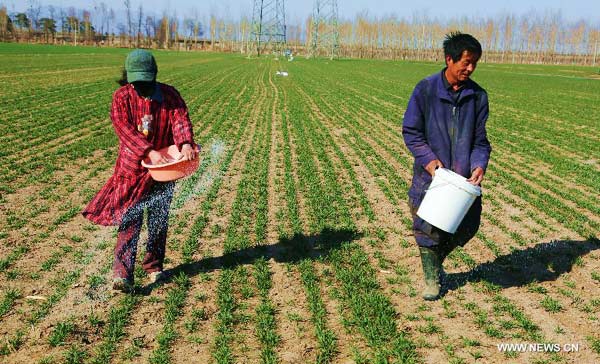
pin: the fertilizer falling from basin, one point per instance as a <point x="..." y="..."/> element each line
<point x="209" y="171"/>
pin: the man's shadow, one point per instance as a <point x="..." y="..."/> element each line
<point x="543" y="262"/>
<point x="287" y="250"/>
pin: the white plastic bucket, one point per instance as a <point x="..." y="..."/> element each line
<point x="447" y="200"/>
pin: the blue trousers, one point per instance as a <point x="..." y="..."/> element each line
<point x="157" y="203"/>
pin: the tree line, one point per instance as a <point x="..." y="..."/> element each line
<point x="507" y="38"/>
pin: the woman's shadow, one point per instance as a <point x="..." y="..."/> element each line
<point x="543" y="262"/>
<point x="286" y="250"/>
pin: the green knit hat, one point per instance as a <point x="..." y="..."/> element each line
<point x="140" y="66"/>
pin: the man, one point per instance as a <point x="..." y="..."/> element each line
<point x="444" y="127"/>
<point x="146" y="116"/>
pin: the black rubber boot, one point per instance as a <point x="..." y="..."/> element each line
<point x="444" y="251"/>
<point x="432" y="265"/>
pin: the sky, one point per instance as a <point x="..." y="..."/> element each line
<point x="298" y="10"/>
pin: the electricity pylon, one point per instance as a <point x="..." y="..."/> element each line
<point x="325" y="33"/>
<point x="268" y="26"/>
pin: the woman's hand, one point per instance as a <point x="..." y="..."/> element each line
<point x="157" y="158"/>
<point x="188" y="152"/>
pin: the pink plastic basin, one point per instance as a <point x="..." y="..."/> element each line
<point x="175" y="169"/>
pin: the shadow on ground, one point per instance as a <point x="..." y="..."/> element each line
<point x="291" y="250"/>
<point x="543" y="262"/>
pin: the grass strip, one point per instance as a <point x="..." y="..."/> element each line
<point x="173" y="309"/>
<point x="62" y="285"/>
<point x="371" y="312"/>
<point x="8" y="300"/>
<point x="326" y="339"/>
<point x="266" y="327"/>
<point x="14" y="255"/>
<point x="225" y="318"/>
<point x="118" y="317"/>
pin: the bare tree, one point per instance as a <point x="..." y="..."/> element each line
<point x="163" y="34"/>
<point x="73" y="23"/>
<point x="150" y="30"/>
<point x="174" y="30"/>
<point x="102" y="11"/>
<point x="244" y="34"/>
<point x="52" y="12"/>
<point x="88" y="29"/>
<point x="123" y="34"/>
<point x="33" y="11"/>
<point x="111" y="17"/>
<point x="5" y="24"/>
<point x="507" y="43"/>
<point x="139" y="24"/>
<point x="188" y="28"/>
<point x="593" y="45"/>
<point x="62" y="18"/>
<point x="127" y="4"/>
<point x="197" y="28"/>
<point x="213" y="31"/>
<point x="577" y="37"/>
<point x="221" y="36"/>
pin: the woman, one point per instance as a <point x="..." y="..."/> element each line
<point x="147" y="116"/>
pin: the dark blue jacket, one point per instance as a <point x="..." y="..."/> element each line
<point x="435" y="127"/>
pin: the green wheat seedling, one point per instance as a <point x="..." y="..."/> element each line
<point x="326" y="338"/>
<point x="266" y="327"/>
<point x="114" y="331"/>
<point x="173" y="309"/>
<point x="8" y="300"/>
<point x="225" y="319"/>
<point x="60" y="333"/>
<point x="551" y="305"/>
<point x="371" y="311"/>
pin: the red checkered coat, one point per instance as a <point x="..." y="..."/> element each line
<point x="130" y="181"/>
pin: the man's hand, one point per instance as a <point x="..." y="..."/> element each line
<point x="431" y="166"/>
<point x="188" y="152"/>
<point x="157" y="158"/>
<point x="476" y="176"/>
